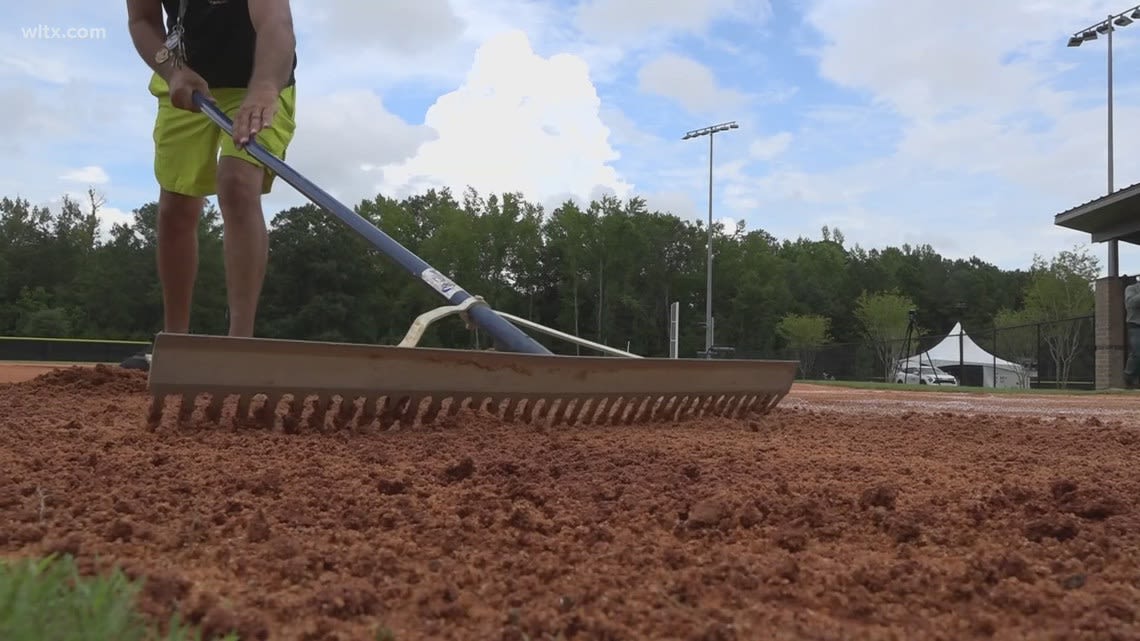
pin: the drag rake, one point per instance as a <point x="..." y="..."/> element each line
<point x="519" y="380"/>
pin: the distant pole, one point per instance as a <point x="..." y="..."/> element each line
<point x="696" y="133"/>
<point x="674" y="328"/>
<point x="710" y="336"/>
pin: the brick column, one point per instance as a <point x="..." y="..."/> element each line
<point x="1111" y="337"/>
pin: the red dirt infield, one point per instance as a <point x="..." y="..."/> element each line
<point x="844" y="514"/>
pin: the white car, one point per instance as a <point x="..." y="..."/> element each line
<point x="924" y="375"/>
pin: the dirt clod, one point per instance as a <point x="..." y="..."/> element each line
<point x="460" y="471"/>
<point x="395" y="486"/>
<point x="120" y="530"/>
<point x="257" y="530"/>
<point x="883" y="496"/>
<point x="707" y="513"/>
<point x="1051" y="528"/>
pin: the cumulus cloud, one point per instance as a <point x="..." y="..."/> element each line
<point x="519" y="122"/>
<point x="343" y="141"/>
<point x="91" y="174"/>
<point x="111" y="216"/>
<point x="399" y="27"/>
<point x="992" y="123"/>
<point x="994" y="107"/>
<point x="689" y="83"/>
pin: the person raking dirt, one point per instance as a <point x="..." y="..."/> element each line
<point x="241" y="55"/>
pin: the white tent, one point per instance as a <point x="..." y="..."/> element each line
<point x="957" y="348"/>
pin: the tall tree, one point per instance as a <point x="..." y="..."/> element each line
<point x="885" y="317"/>
<point x="804" y="335"/>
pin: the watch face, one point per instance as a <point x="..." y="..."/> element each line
<point x="161" y="55"/>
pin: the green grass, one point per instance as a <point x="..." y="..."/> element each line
<point x="43" y="599"/>
<point x="877" y="385"/>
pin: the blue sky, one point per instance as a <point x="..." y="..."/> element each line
<point x="968" y="130"/>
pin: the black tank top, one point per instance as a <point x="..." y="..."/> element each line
<point x="220" y="40"/>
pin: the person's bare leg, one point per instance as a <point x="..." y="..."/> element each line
<point x="246" y="240"/>
<point x="177" y="257"/>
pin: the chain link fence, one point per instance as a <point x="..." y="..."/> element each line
<point x="1052" y="354"/>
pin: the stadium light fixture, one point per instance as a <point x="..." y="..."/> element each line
<point x="1108" y="26"/>
<point x="697" y="133"/>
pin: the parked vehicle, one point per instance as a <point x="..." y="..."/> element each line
<point x="924" y="375"/>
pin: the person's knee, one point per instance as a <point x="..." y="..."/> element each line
<point x="239" y="186"/>
<point x="178" y="213"/>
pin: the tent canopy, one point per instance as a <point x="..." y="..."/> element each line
<point x="979" y="367"/>
<point x="947" y="352"/>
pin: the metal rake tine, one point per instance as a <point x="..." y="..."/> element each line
<point x="267" y="413"/>
<point x="213" y="411"/>
<point x="431" y="414"/>
<point x="411" y="409"/>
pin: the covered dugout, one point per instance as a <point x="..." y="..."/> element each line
<point x="973" y="366"/>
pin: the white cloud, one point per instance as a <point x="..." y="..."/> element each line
<point x="688" y="82"/>
<point x="677" y="202"/>
<point x="770" y="147"/>
<point x="520" y="122"/>
<point x="992" y="127"/>
<point x="111" y="216"/>
<point x="342" y="142"/>
<point x="990" y="108"/>
<point x="387" y="44"/>
<point x="91" y="174"/>
<point x="394" y="27"/>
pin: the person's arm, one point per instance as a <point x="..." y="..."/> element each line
<point x="1132" y="296"/>
<point x="273" y="57"/>
<point x="148" y="33"/>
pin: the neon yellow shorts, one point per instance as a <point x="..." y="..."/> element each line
<point x="187" y="143"/>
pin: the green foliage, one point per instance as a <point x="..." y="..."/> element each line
<point x="606" y="270"/>
<point x="48" y="599"/>
<point x="804" y="331"/>
<point x="885" y="317"/>
<point x="1062" y="289"/>
<point x="1017" y="337"/>
<point x="49" y="322"/>
<point x="805" y="334"/>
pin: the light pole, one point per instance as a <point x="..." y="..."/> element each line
<point x="697" y="133"/>
<point x="1108" y="26"/>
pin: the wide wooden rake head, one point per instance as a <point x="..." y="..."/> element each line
<point x="295" y="384"/>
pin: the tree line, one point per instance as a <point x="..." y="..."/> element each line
<point x="607" y="272"/>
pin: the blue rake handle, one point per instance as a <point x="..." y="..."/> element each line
<point x="506" y="335"/>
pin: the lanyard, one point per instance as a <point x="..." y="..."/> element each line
<point x="174" y="46"/>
